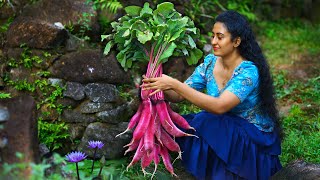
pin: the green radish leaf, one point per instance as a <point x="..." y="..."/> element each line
<point x="194" y="30"/>
<point x="191" y="42"/>
<point x="185" y="51"/>
<point x="195" y="55"/>
<point x="145" y="36"/>
<point x="164" y="9"/>
<point x="176" y="35"/>
<point x="126" y="33"/>
<point x="107" y="48"/>
<point x="146" y="9"/>
<point x="144" y="27"/>
<point x="168" y="52"/>
<point x="133" y="10"/>
<point x="129" y="63"/>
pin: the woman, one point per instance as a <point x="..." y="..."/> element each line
<point x="238" y="129"/>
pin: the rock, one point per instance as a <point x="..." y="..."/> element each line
<point x="74" y="91"/>
<point x="74" y="116"/>
<point x="88" y="107"/>
<point x="98" y="92"/>
<point x="35" y="34"/>
<point x="77" y="13"/>
<point x="76" y="131"/>
<point x="68" y="102"/>
<point x="113" y="147"/>
<point x="114" y="116"/>
<point x="298" y="170"/>
<point x="87" y="66"/>
<point x="43" y="149"/>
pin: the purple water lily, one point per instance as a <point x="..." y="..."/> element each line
<point x="95" y="144"/>
<point x="76" y="157"/>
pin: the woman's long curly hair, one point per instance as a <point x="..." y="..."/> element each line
<point x="249" y="49"/>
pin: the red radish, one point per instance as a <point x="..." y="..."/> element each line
<point x="166" y="160"/>
<point x="158" y="129"/>
<point x="133" y="121"/>
<point x="166" y="122"/>
<point x="178" y="119"/>
<point x="132" y="146"/>
<point x="144" y="120"/>
<point x="149" y="135"/>
<point x="146" y="160"/>
<point x="138" y="155"/>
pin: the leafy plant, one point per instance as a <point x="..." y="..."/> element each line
<point x="4" y="95"/>
<point x="143" y="32"/>
<point x="111" y="5"/>
<point x="52" y="134"/>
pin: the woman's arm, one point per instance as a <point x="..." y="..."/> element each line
<point x="172" y="96"/>
<point x="218" y="105"/>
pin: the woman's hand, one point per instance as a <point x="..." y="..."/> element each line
<point x="158" y="84"/>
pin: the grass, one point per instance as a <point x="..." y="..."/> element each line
<point x="286" y="41"/>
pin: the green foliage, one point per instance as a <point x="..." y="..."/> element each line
<point x="4" y="27"/>
<point x="116" y="170"/>
<point x="13" y="171"/>
<point x="297" y="91"/>
<point x="200" y="11"/>
<point x="144" y="32"/>
<point x="4" y="95"/>
<point x="302" y="136"/>
<point x="287" y="41"/>
<point x="26" y="59"/>
<point x="186" y="107"/>
<point x="111" y="5"/>
<point x="52" y="134"/>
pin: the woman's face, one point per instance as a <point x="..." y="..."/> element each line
<point x="221" y="40"/>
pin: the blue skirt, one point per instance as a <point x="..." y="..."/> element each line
<point x="229" y="147"/>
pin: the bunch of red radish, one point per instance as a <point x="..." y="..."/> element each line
<point x="154" y="126"/>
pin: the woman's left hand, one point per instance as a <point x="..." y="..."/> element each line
<point x="158" y="84"/>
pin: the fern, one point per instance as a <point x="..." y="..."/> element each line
<point x="111" y="5"/>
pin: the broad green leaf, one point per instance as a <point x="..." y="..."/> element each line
<point x="133" y="10"/>
<point x="129" y="63"/>
<point x="103" y="37"/>
<point x="194" y="30"/>
<point x="139" y="55"/>
<point x="164" y="9"/>
<point x="127" y="42"/>
<point x="177" y="24"/>
<point x="139" y="25"/>
<point x="176" y="35"/>
<point x="185" y="51"/>
<point x="146" y="9"/>
<point x="168" y="52"/>
<point x="114" y="25"/>
<point x="174" y="15"/>
<point x="126" y="33"/>
<point x="195" y="55"/>
<point x="144" y="36"/>
<point x="108" y="47"/>
<point x="191" y="42"/>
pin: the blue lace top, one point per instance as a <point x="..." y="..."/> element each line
<point x="243" y="83"/>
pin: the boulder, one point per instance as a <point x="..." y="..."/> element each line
<point x="35" y="34"/>
<point x="113" y="147"/>
<point x="88" y="66"/>
<point x="298" y="170"/>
